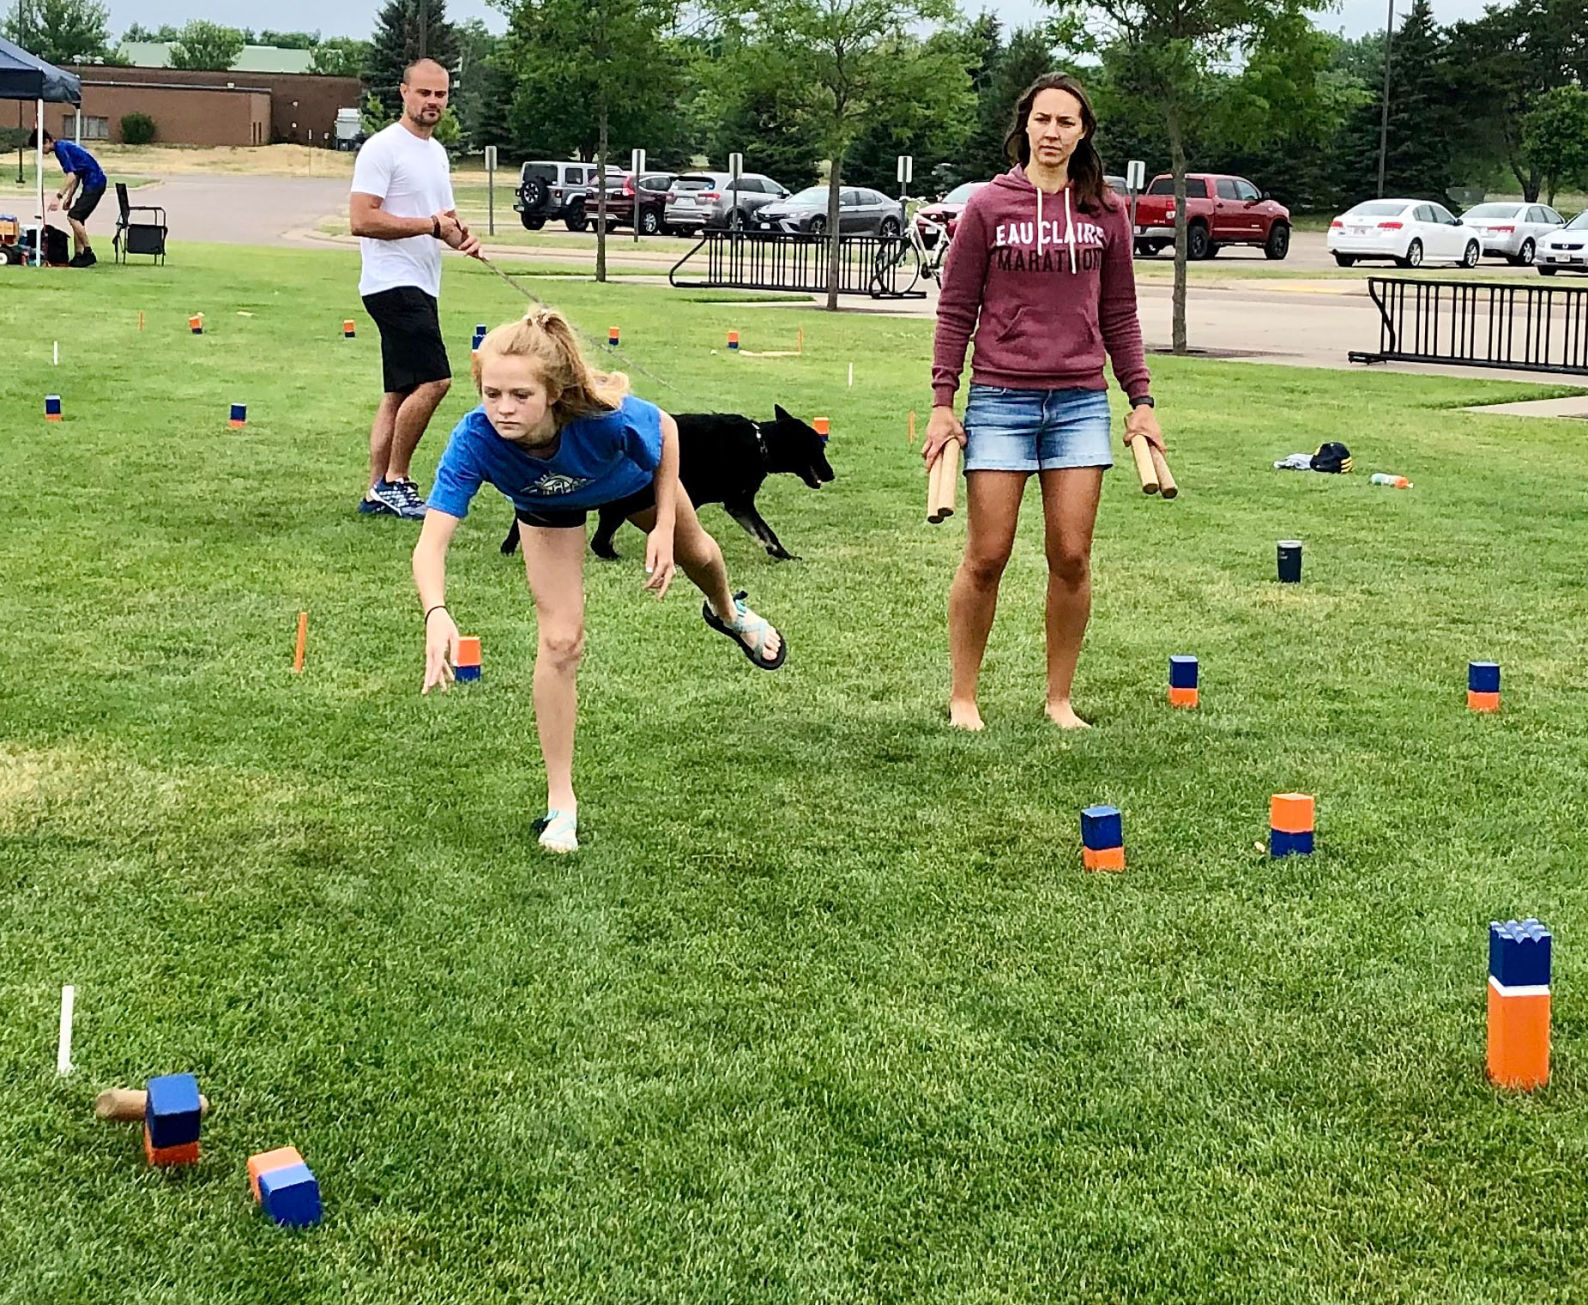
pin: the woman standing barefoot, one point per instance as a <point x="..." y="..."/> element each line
<point x="1040" y="271"/>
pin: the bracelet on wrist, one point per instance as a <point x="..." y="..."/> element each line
<point x="1143" y="401"/>
<point x="429" y="612"/>
<point x="435" y="227"/>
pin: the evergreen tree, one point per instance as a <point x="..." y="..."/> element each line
<point x="407" y="30"/>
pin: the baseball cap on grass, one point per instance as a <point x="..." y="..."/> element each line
<point x="1332" y="457"/>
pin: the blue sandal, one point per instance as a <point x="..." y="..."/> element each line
<point x="749" y="631"/>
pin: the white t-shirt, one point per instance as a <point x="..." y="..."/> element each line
<point x="411" y="178"/>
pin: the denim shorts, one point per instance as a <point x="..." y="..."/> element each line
<point x="1036" y="430"/>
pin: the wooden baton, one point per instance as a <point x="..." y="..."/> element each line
<point x="1166" y="485"/>
<point x="942" y="484"/>
<point x="128" y="1104"/>
<point x="1141" y="449"/>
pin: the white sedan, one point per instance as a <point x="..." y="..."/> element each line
<point x="1408" y="231"/>
<point x="1566" y="250"/>
<point x="1513" y="231"/>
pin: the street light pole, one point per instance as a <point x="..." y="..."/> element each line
<point x="1383" y="121"/>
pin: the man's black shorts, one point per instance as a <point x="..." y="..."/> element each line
<point x="86" y="202"/>
<point x="570" y="518"/>
<point x="412" y="351"/>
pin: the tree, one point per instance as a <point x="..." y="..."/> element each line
<point x="1002" y="71"/>
<point x="932" y="130"/>
<point x="1555" y="138"/>
<point x="745" y="105"/>
<point x="484" y="92"/>
<point x="207" y="45"/>
<point x="289" y="40"/>
<point x="1167" y="52"/>
<point x="589" y="69"/>
<point x="848" y="63"/>
<point x="341" y="56"/>
<point x="407" y="30"/>
<point x="60" y="31"/>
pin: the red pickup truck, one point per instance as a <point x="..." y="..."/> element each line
<point x="1220" y="211"/>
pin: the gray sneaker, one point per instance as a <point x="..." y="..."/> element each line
<point x="383" y="499"/>
<point x="413" y="504"/>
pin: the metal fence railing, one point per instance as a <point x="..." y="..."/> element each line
<point x="884" y="267"/>
<point x="1525" y="327"/>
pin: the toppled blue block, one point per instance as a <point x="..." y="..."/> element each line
<point x="1102" y="827"/>
<point x="290" y="1195"/>
<point x="1282" y="844"/>
<point x="1519" y="953"/>
<point x="172" y="1111"/>
<point x="1182" y="672"/>
<point x="1483" y="677"/>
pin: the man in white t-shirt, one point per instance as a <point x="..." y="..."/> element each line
<point x="402" y="210"/>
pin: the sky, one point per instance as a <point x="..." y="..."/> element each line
<point x="357" y="17"/>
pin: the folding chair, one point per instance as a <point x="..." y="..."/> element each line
<point x="137" y="237"/>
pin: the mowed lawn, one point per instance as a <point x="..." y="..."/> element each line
<point x="826" y="1009"/>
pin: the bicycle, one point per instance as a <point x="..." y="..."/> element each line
<point x="928" y="262"/>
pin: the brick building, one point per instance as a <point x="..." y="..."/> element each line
<point x="206" y="108"/>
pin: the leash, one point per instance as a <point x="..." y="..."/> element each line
<point x="589" y="339"/>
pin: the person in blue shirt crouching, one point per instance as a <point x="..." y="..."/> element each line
<point x="561" y="439"/>
<point x="81" y="192"/>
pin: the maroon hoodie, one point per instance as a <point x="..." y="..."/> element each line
<point x="1053" y="286"/>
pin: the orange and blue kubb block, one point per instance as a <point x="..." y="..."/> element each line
<point x="1290" y="824"/>
<point x="1483" y="686"/>
<point x="733" y="340"/>
<point x="285" y="1187"/>
<point x="196" y="323"/>
<point x="1182" y="681"/>
<point x="349" y="328"/>
<point x="239" y="416"/>
<point x="171" y="1120"/>
<point x="468" y="663"/>
<point x="1102" y="838"/>
<point x="614" y="337"/>
<point x="1519" y="959"/>
<point x="52" y="407"/>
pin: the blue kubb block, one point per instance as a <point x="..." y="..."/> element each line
<point x="172" y="1112"/>
<point x="290" y="1195"/>
<point x="1182" y="672"/>
<point x="466" y="672"/>
<point x="1283" y="844"/>
<point x="1483" y="677"/>
<point x="1519" y="953"/>
<point x="1102" y="827"/>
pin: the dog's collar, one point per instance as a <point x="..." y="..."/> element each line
<point x="760" y="443"/>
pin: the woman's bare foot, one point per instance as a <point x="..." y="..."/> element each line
<point x="1063" y="715"/>
<point x="964" y="716"/>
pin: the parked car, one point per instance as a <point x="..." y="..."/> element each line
<point x="945" y="213"/>
<point x="1407" y="231"/>
<point x="709" y="199"/>
<point x="1220" y="210"/>
<point x="622" y="190"/>
<point x="1565" y="250"/>
<point x="553" y="189"/>
<point x="860" y="212"/>
<point x="1512" y="231"/>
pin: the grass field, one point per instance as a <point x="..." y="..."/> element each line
<point x="826" y="1009"/>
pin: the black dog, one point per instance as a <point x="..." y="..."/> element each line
<point x="723" y="459"/>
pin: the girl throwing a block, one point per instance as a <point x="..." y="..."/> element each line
<point x="1040" y="270"/>
<point x="560" y="439"/>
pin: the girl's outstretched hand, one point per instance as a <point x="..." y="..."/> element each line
<point x="659" y="564"/>
<point x="441" y="649"/>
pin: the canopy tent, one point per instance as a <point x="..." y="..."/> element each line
<point x="24" y="77"/>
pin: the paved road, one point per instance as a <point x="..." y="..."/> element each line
<point x="235" y="210"/>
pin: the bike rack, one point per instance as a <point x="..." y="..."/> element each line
<point x="766" y="260"/>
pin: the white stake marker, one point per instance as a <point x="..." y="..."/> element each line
<point x="851" y="375"/>
<point x="63" y="1057"/>
<point x="56" y="353"/>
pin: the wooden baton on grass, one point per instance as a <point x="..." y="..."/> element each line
<point x="128" y="1104"/>
<point x="942" y="484"/>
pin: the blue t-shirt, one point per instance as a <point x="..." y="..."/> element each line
<point x="74" y="158"/>
<point x="598" y="460"/>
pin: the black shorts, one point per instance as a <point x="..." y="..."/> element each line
<point x="86" y="202"/>
<point x="412" y="351"/>
<point x="571" y="518"/>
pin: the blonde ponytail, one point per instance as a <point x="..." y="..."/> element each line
<point x="545" y="335"/>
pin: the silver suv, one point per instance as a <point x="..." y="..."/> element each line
<point x="709" y="199"/>
<point x="549" y="190"/>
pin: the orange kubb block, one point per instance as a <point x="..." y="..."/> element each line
<point x="1291" y="813"/>
<point x="265" y="1161"/>
<point x="1518" y="1040"/>
<point x="186" y="1154"/>
<point x="1103" y="858"/>
<point x="1482" y="701"/>
<point x="468" y="650"/>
